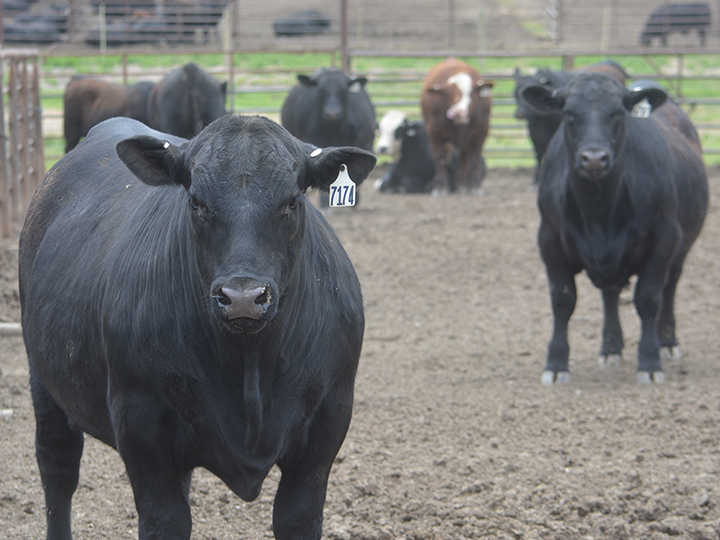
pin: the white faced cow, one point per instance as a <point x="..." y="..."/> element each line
<point x="455" y="103"/>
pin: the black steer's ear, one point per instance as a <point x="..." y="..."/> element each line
<point x="153" y="161"/>
<point x="323" y="166"/>
<point x="655" y="96"/>
<point x="306" y="81"/>
<point x="543" y="99"/>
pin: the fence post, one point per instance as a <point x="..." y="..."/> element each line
<point x="4" y="188"/>
<point x="21" y="143"/>
<point x="344" y="37"/>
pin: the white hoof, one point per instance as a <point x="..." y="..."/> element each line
<point x="645" y="377"/>
<point x="670" y="354"/>
<point x="550" y="377"/>
<point x="609" y="360"/>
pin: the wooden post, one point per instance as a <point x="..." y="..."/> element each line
<point x="5" y="171"/>
<point x="344" y="36"/>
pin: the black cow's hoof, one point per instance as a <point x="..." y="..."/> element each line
<point x="550" y="377"/>
<point x="606" y="361"/>
<point x="645" y="377"/>
<point x="670" y="354"/>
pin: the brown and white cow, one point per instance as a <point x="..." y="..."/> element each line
<point x="455" y="103"/>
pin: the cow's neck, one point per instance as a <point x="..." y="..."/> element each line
<point x="597" y="200"/>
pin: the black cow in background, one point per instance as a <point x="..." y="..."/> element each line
<point x="671" y="18"/>
<point x="542" y="125"/>
<point x="185" y="304"/>
<point x="182" y="104"/>
<point x="330" y="109"/>
<point x="185" y="101"/>
<point x="619" y="195"/>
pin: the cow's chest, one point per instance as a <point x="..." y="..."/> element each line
<point x="609" y="252"/>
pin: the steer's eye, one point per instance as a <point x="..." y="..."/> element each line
<point x="291" y="206"/>
<point x="198" y="209"/>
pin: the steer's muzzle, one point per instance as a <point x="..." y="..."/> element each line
<point x="244" y="305"/>
<point x="594" y="160"/>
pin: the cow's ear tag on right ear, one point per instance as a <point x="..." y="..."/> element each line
<point x="342" y="190"/>
<point x="642" y="109"/>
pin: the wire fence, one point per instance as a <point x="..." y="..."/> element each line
<point x="401" y="26"/>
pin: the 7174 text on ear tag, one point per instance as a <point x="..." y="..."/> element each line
<point x="342" y="190"/>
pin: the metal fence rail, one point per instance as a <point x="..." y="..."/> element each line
<point x="400" y="88"/>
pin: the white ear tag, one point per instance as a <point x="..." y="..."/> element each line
<point x="342" y="190"/>
<point x="642" y="109"/>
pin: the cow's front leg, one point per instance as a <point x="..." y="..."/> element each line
<point x="145" y="440"/>
<point x="648" y="299"/>
<point x="474" y="171"/>
<point x="440" y="182"/>
<point x="563" y="296"/>
<point x="669" y="348"/>
<point x="298" y="509"/>
<point x="612" y="345"/>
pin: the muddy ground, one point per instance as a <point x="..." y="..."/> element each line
<point x="452" y="435"/>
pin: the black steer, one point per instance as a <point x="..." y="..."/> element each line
<point x="543" y="125"/>
<point x="618" y="196"/>
<point x="185" y="304"/>
<point x="682" y="18"/>
<point x="330" y="109"/>
<point x="187" y="100"/>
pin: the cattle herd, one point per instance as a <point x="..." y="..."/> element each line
<point x="183" y="302"/>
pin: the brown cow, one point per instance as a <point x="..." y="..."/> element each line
<point x="90" y="101"/>
<point x="455" y="103"/>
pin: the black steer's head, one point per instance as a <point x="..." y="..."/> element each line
<point x="595" y="110"/>
<point x="245" y="179"/>
<point x="333" y="88"/>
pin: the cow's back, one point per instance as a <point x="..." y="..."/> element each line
<point x="186" y="101"/>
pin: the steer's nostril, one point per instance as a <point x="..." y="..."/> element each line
<point x="263" y="298"/>
<point x="221" y="299"/>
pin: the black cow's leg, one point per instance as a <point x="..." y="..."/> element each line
<point x="669" y="349"/>
<point x="649" y="296"/>
<point x="58" y="449"/>
<point x="563" y="296"/>
<point x="145" y="440"/>
<point x="299" y="501"/>
<point x="612" y="345"/>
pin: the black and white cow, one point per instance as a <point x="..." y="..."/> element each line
<point x="330" y="109"/>
<point x="185" y="304"/>
<point x="414" y="169"/>
<point x="619" y="196"/>
<point x="387" y="142"/>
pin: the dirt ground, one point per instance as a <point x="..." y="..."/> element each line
<point x="452" y="435"/>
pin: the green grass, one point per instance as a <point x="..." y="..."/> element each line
<point x="262" y="80"/>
